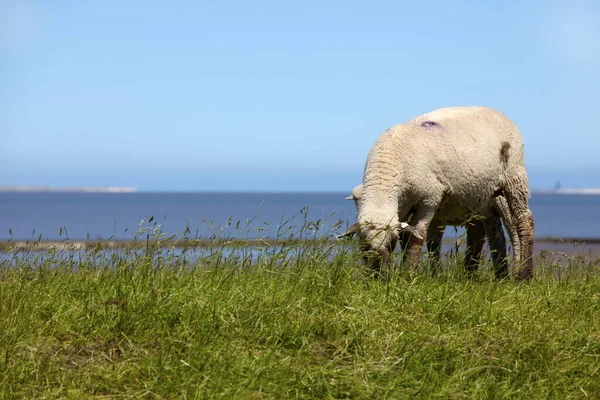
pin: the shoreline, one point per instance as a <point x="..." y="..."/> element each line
<point x="568" y="246"/>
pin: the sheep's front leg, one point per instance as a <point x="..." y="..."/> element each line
<point x="475" y="241"/>
<point x="414" y="252"/>
<point x="403" y="245"/>
<point x="434" y="243"/>
<point x="422" y="219"/>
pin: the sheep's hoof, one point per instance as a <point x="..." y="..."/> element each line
<point x="523" y="276"/>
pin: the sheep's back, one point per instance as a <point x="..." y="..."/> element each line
<point x="468" y="150"/>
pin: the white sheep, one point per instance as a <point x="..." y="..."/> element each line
<point x="477" y="228"/>
<point x="454" y="161"/>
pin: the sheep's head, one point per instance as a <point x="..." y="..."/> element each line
<point x="378" y="241"/>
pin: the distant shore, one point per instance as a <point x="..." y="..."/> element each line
<point x="91" y="189"/>
<point x="594" y="191"/>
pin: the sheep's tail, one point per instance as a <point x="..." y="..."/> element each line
<point x="512" y="162"/>
<point x="502" y="203"/>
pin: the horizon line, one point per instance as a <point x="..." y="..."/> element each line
<point x="132" y="189"/>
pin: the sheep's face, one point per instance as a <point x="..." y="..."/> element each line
<point x="377" y="244"/>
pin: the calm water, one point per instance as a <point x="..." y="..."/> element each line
<point x="29" y="215"/>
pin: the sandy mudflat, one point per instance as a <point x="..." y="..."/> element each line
<point x="568" y="247"/>
<point x="588" y="247"/>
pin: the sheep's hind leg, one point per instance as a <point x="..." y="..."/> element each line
<point x="525" y="229"/>
<point x="475" y="241"/>
<point x="497" y="243"/>
<point x="517" y="196"/>
<point x="501" y="208"/>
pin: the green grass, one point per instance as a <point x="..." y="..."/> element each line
<point x="287" y="322"/>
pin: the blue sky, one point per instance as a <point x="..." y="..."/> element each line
<point x="272" y="95"/>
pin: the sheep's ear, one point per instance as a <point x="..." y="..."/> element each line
<point x="352" y="229"/>
<point x="349" y="198"/>
<point x="404" y="227"/>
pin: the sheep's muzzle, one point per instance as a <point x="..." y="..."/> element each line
<point x="379" y="256"/>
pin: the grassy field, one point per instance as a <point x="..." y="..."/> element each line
<point x="290" y="321"/>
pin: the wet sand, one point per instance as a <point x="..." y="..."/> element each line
<point x="559" y="248"/>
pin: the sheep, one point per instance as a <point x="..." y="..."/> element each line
<point x="492" y="228"/>
<point x="457" y="160"/>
